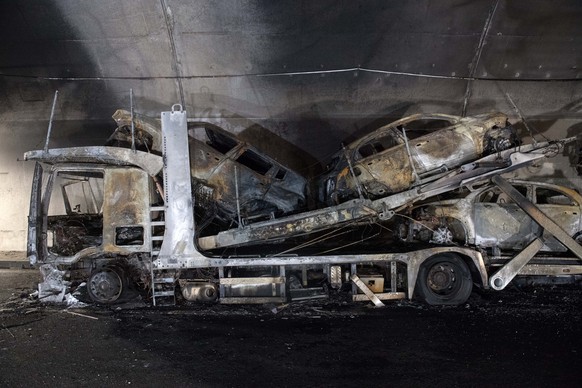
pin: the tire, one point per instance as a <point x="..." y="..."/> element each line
<point x="444" y="279"/>
<point x="106" y="285"/>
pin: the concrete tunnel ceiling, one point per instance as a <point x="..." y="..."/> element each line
<point x="219" y="57"/>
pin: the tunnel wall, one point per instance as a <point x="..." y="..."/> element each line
<point x="294" y="78"/>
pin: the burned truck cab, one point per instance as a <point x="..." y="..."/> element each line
<point x="93" y="216"/>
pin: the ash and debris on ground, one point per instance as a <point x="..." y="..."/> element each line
<point x="516" y="301"/>
<point x="517" y="337"/>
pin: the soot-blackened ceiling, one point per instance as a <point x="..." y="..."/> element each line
<point x="298" y="68"/>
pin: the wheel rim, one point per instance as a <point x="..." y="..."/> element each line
<point x="442" y="279"/>
<point x="445" y="279"/>
<point x="442" y="236"/>
<point x="105" y="286"/>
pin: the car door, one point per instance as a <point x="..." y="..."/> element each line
<point x="382" y="164"/>
<point x="562" y="209"/>
<point x="500" y="222"/>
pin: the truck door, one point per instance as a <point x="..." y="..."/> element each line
<point x="74" y="210"/>
<point x="34" y="246"/>
<point x="126" y="211"/>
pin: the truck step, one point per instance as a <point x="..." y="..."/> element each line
<point x="163" y="280"/>
<point x="158" y="294"/>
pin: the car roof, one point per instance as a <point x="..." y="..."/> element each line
<point x="402" y="121"/>
<point x="240" y="143"/>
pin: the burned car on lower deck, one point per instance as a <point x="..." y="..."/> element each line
<point x="487" y="218"/>
<point x="228" y="175"/>
<point x="411" y="151"/>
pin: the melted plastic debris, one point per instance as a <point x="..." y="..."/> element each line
<point x="53" y="287"/>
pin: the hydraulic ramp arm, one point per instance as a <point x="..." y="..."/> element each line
<point x="502" y="277"/>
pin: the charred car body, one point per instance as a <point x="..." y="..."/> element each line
<point x="238" y="174"/>
<point x="489" y="219"/>
<point x="401" y="154"/>
<point x="229" y="176"/>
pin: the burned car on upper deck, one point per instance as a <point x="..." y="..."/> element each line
<point x="226" y="165"/>
<point x="488" y="218"/>
<point x="226" y="172"/>
<point x="412" y="151"/>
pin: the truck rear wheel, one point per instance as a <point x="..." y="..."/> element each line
<point x="444" y="279"/>
<point x="105" y="285"/>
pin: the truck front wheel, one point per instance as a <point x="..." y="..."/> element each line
<point x="444" y="279"/>
<point x="105" y="285"/>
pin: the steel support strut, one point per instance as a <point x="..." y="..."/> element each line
<point x="177" y="248"/>
<point x="362" y="286"/>
<point x="502" y="277"/>
<point x="511" y="269"/>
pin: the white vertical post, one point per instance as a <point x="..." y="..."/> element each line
<point x="178" y="248"/>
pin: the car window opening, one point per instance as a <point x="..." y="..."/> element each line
<point x="281" y="173"/>
<point x="254" y="162"/>
<point x="333" y="163"/>
<point x="220" y="142"/>
<point x="418" y="128"/>
<point x="427" y="124"/>
<point x="495" y="195"/>
<point x="376" y="146"/>
<point x="552" y="197"/>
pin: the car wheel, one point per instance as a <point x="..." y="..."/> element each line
<point x="451" y="231"/>
<point x="444" y="279"/>
<point x="442" y="235"/>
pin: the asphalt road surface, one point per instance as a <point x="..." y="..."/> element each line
<point x="518" y="337"/>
